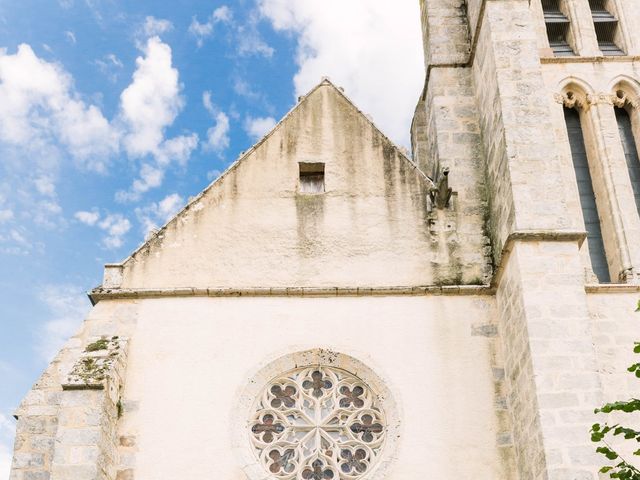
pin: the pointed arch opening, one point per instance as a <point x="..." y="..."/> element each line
<point x="628" y="120"/>
<point x="575" y="105"/>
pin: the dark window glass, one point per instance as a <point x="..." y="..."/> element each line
<point x="587" y="197"/>
<point x="606" y="25"/>
<point x="630" y="151"/>
<point x="557" y="25"/>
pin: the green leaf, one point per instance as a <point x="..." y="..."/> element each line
<point x="607" y="452"/>
<point x="605" y="469"/>
<point x="636" y="348"/>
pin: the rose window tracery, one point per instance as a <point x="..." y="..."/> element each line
<point x="319" y="423"/>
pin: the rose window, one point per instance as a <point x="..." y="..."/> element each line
<point x="317" y="423"/>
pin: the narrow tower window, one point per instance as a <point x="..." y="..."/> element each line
<point x="606" y="25"/>
<point x="311" y="177"/>
<point x="630" y="151"/>
<point x="587" y="196"/>
<point x="558" y="26"/>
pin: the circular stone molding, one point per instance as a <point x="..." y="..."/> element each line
<point x="317" y="415"/>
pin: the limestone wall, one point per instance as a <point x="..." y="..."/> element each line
<point x="595" y="86"/>
<point x="445" y="32"/>
<point x="67" y="422"/>
<point x="615" y="329"/>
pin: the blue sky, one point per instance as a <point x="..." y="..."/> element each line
<point x="113" y="113"/>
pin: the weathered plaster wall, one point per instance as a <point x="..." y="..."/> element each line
<point x="253" y="227"/>
<point x="191" y="358"/>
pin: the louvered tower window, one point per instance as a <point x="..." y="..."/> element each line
<point x="587" y="197"/>
<point x="630" y="151"/>
<point x="558" y="26"/>
<point x="606" y="25"/>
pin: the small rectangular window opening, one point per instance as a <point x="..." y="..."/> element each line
<point x="311" y="177"/>
<point x="606" y="26"/>
<point x="557" y="25"/>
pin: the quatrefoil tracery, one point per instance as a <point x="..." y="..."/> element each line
<point x="317" y="423"/>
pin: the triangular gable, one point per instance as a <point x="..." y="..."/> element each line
<point x="326" y="115"/>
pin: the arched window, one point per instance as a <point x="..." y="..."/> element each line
<point x="587" y="196"/>
<point x="630" y="151"/>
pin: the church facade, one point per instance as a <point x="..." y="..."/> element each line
<point x="331" y="308"/>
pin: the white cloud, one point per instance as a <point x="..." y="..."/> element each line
<point x="258" y="127"/>
<point x="88" y="218"/>
<point x="213" y="174"/>
<point x="370" y="49"/>
<point x="70" y="36"/>
<point x="222" y="14"/>
<point x="149" y="105"/>
<point x="68" y="305"/>
<point x="110" y="66"/>
<point x="115" y="226"/>
<point x="6" y="215"/>
<point x="45" y="186"/>
<point x="38" y="103"/>
<point x="218" y="134"/>
<point x="201" y="31"/>
<point x="242" y="87"/>
<point x="250" y="42"/>
<point x="7" y="434"/>
<point x="152" y="101"/>
<point x="159" y="213"/>
<point x="47" y="213"/>
<point x="156" y="26"/>
<point x="14" y="242"/>
<point x="177" y="149"/>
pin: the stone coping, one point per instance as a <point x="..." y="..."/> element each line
<point x="603" y="59"/>
<point x="119" y="293"/>
<point x="612" y="288"/>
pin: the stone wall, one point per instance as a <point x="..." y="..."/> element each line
<point x="514" y="112"/>
<point x="550" y="360"/>
<point x="445" y="32"/>
<point x="453" y="141"/>
<point x="67" y="423"/>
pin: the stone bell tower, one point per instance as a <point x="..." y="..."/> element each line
<point x="533" y="106"/>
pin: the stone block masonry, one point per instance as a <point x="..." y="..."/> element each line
<point x="66" y="426"/>
<point x="86" y="440"/>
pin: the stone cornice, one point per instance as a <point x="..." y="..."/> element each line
<point x="125" y="293"/>
<point x="576" y="59"/>
<point x="533" y="236"/>
<point x="612" y="288"/>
